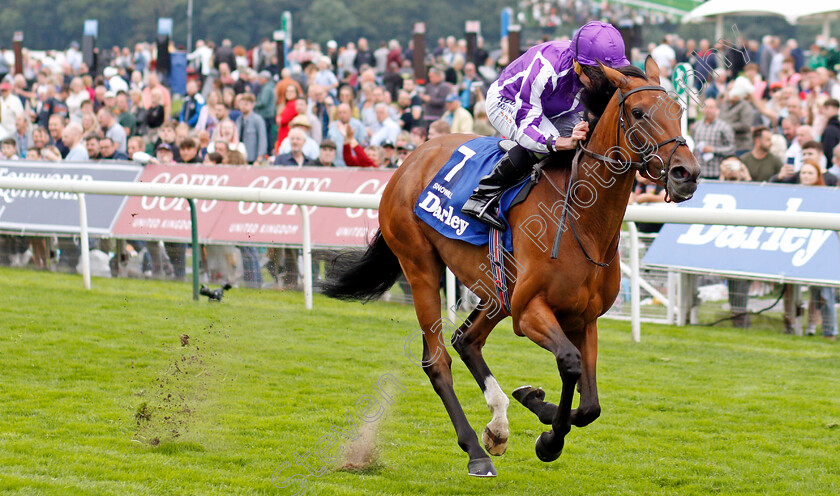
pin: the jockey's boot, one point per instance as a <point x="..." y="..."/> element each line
<point x="512" y="168"/>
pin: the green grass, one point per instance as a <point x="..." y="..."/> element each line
<point x="689" y="411"/>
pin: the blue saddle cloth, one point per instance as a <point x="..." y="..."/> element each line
<point x="440" y="203"/>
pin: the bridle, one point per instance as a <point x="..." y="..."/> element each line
<point x="643" y="166"/>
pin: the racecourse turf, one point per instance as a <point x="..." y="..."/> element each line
<point x="133" y="388"/>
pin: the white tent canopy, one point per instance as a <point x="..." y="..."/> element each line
<point x="793" y="12"/>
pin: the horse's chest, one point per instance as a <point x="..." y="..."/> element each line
<point x="589" y="295"/>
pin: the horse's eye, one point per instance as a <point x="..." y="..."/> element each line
<point x="637" y="113"/>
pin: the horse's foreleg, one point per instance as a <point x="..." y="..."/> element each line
<point x="537" y="321"/>
<point x="437" y="365"/>
<point x="589" y="408"/>
<point x="468" y="342"/>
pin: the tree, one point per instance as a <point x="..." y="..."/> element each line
<point x="329" y="19"/>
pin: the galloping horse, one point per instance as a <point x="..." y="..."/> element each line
<point x="554" y="302"/>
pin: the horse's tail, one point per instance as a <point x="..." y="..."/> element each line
<point x="363" y="276"/>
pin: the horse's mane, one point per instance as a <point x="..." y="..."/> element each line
<point x="596" y="100"/>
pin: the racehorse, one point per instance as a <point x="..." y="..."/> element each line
<point x="555" y="302"/>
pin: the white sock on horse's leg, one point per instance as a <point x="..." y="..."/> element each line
<point x="496" y="434"/>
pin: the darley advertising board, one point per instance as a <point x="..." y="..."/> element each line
<point x="807" y="255"/>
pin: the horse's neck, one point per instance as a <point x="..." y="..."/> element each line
<point x="600" y="218"/>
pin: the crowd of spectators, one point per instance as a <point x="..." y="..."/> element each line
<point x="770" y="104"/>
<point x="764" y="112"/>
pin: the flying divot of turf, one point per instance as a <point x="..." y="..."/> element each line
<point x="167" y="411"/>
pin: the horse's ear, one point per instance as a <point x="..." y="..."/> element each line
<point x="617" y="79"/>
<point x="651" y="70"/>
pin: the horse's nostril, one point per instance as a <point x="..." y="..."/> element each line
<point x="679" y="173"/>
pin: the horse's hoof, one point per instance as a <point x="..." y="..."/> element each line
<point x="543" y="453"/>
<point x="523" y="394"/>
<point x="481" y="467"/>
<point x="494" y="445"/>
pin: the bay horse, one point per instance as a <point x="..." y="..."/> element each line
<point x="555" y="302"/>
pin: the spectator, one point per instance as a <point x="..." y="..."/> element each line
<point x="192" y="104"/>
<point x="353" y="153"/>
<point x="156" y="114"/>
<point x="284" y="118"/>
<point x="761" y="164"/>
<point x="23" y="134"/>
<point x="266" y="105"/>
<point x="388" y="155"/>
<point x="435" y="96"/>
<point x="167" y="135"/>
<point x="364" y="57"/>
<point x="310" y="148"/>
<point x="403" y="152"/>
<point x="40" y="138"/>
<point x="714" y="140"/>
<point x="251" y="127"/>
<point x="739" y="114"/>
<point x="207" y="116"/>
<point x="8" y="149"/>
<point x="72" y="138"/>
<point x="90" y="124"/>
<point x="336" y="131"/>
<point x="224" y="55"/>
<point x="387" y="128"/>
<point x="411" y="114"/>
<point x="213" y="158"/>
<point x="108" y="150"/>
<point x="92" y="146"/>
<point x="122" y="109"/>
<point x="189" y="152"/>
<point x="326" y="157"/>
<point x="153" y="85"/>
<point x="295" y="156"/>
<point x="56" y="128"/>
<point x="831" y="135"/>
<point x="227" y="133"/>
<point x="138" y="111"/>
<point x="732" y="169"/>
<point x="482" y="126"/>
<point x="438" y="128"/>
<point x="233" y="157"/>
<point x="458" y="118"/>
<point x="319" y="106"/>
<point x="325" y="77"/>
<point x="346" y="94"/>
<point x="112" y="128"/>
<point x="78" y="94"/>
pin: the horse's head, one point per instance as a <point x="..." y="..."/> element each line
<point x="649" y="132"/>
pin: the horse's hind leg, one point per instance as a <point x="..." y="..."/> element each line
<point x="468" y="342"/>
<point x="538" y="323"/>
<point x="423" y="274"/>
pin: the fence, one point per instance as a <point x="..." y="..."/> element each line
<point x="804" y="220"/>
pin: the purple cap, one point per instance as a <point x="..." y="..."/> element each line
<point x="599" y="41"/>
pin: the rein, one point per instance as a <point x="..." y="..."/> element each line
<point x="555" y="248"/>
<point x="643" y="167"/>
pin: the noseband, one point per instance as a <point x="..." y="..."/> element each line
<point x="642" y="166"/>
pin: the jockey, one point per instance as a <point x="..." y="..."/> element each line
<point x="537" y="102"/>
